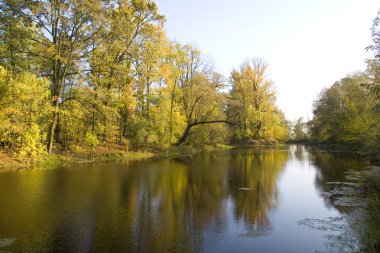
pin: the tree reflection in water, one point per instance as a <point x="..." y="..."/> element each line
<point x="336" y="183"/>
<point x="152" y="206"/>
<point x="257" y="172"/>
<point x="332" y="168"/>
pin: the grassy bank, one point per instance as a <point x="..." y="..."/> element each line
<point x="371" y="191"/>
<point x="107" y="153"/>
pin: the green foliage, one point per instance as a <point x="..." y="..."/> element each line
<point x="343" y="114"/>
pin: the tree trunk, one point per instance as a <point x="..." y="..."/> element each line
<point x="171" y="118"/>
<point x="184" y="135"/>
<point x="51" y="132"/>
<point x="189" y="126"/>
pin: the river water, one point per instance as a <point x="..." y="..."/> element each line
<point x="241" y="200"/>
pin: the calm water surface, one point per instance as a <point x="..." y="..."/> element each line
<point x="242" y="200"/>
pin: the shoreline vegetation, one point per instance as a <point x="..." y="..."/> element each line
<point x="118" y="153"/>
<point x="102" y="154"/>
<point x="114" y="152"/>
<point x="370" y="190"/>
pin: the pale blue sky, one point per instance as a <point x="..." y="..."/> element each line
<point x="308" y="44"/>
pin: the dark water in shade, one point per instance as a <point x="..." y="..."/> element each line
<point x="242" y="200"/>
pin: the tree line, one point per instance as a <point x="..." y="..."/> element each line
<point x="348" y="112"/>
<point x="84" y="72"/>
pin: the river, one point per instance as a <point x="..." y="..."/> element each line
<point x="241" y="200"/>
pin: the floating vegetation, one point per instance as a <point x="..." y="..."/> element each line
<point x="329" y="224"/>
<point x="344" y="235"/>
<point x="245" y="189"/>
<point x="343" y="183"/>
<point x="350" y="202"/>
<point x="346" y="230"/>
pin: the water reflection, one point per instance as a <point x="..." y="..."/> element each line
<point x="212" y="202"/>
<point x="336" y="183"/>
<point x="256" y="173"/>
<point x="332" y="168"/>
<point x="299" y="152"/>
<point x="144" y="207"/>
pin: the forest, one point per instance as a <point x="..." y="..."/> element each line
<point x="83" y="73"/>
<point x="101" y="73"/>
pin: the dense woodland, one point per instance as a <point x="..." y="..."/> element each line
<point x="87" y="73"/>
<point x="77" y="73"/>
<point x="346" y="113"/>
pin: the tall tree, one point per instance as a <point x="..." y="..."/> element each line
<point x="252" y="105"/>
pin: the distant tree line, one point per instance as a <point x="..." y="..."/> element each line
<point x="348" y="112"/>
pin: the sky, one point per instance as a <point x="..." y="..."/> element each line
<point x="308" y="44"/>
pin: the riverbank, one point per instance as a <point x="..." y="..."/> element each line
<point x="101" y="154"/>
<point x="370" y="190"/>
<point x="113" y="152"/>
